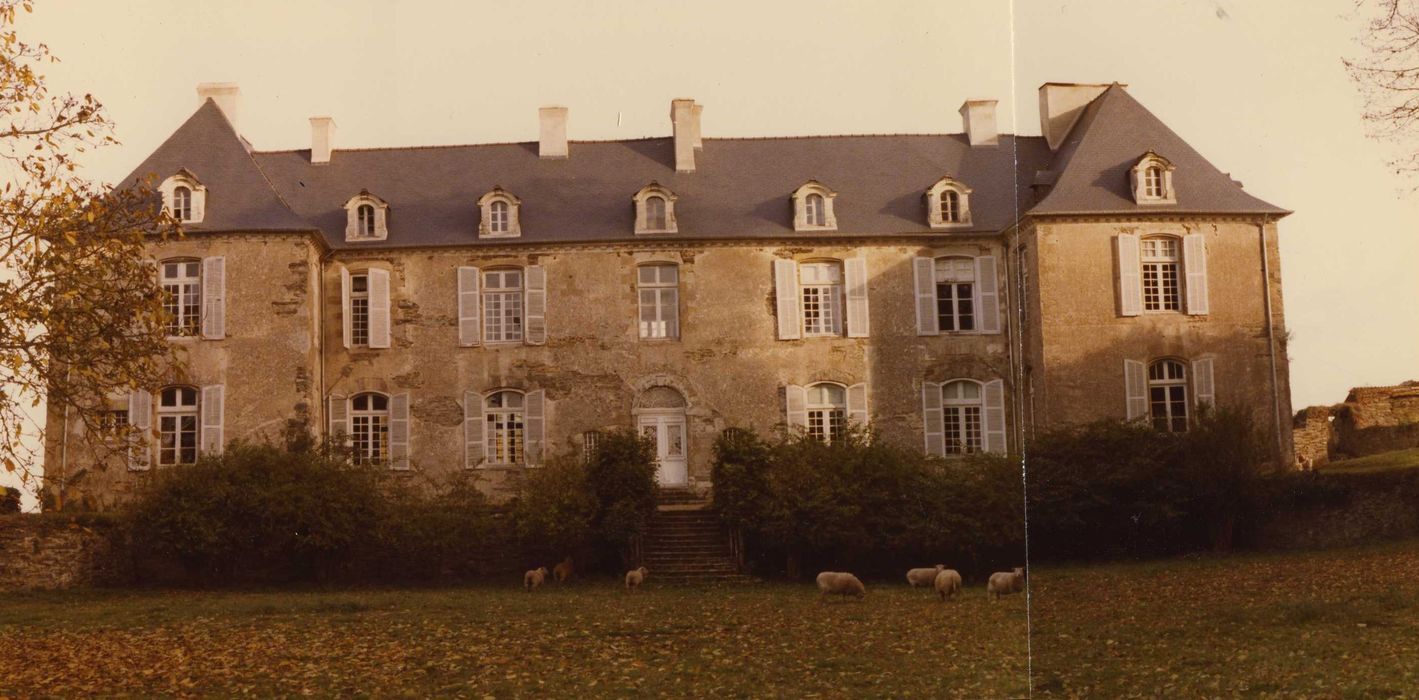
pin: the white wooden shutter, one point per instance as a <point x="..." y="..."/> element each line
<point x="536" y="306"/>
<point x="855" y="270"/>
<point x="1135" y="385"/>
<point x="345" y="304"/>
<point x="1203" y="388"/>
<point x="995" y="416"/>
<point x="379" y="307"/>
<point x="472" y="429"/>
<point x="213" y="416"/>
<point x="199" y="203"/>
<point x="140" y="420"/>
<point x="1130" y="280"/>
<point x="338" y="413"/>
<point x="857" y="405"/>
<point x="795" y="400"/>
<point x="469" y="322"/>
<point x="931" y="416"/>
<point x="987" y="294"/>
<point x="535" y="425"/>
<point x="214" y="294"/>
<point x="399" y="431"/>
<point x="1195" y="266"/>
<point x="924" y="273"/>
<point x="786" y="299"/>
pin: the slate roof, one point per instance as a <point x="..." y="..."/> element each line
<point x="739" y="190"/>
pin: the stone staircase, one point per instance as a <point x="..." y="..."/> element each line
<point x="686" y="543"/>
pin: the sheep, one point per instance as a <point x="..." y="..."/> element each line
<point x="839" y="583"/>
<point x="947" y="583"/>
<point x="1005" y="582"/>
<point x="564" y="570"/>
<point x="923" y="577"/>
<point x="534" y="578"/>
<point x="635" y="577"/>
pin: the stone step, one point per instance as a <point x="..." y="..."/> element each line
<point x="689" y="550"/>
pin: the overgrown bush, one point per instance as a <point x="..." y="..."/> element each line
<point x="425" y="531"/>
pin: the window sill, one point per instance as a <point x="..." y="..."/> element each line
<point x="498" y="467"/>
<point x="667" y="339"/>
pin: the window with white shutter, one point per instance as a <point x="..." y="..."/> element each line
<point x="214" y="294"/>
<point x="796" y="406"/>
<point x="472" y="429"/>
<point x="1135" y="385"/>
<point x="924" y="279"/>
<point x="213" y="415"/>
<point x="931" y="418"/>
<point x="345" y="294"/>
<point x="536" y="305"/>
<point x="786" y="299"/>
<point x="1130" y="284"/>
<point x="338" y="415"/>
<point x="140" y="417"/>
<point x="826" y="409"/>
<point x="988" y="294"/>
<point x="821" y="288"/>
<point x="857" y="318"/>
<point x="995" y="416"/>
<point x="469" y="325"/>
<point x="1195" y="264"/>
<point x="399" y="431"/>
<point x="1203" y="388"/>
<point x="379" y="307"/>
<point x="857" y="413"/>
<point x="536" y="426"/>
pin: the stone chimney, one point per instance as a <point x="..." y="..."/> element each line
<point x="1060" y="106"/>
<point x="685" y="122"/>
<point x="322" y="139"/>
<point x="226" y="95"/>
<point x="978" y="118"/>
<point x="699" y="142"/>
<point x="552" y="141"/>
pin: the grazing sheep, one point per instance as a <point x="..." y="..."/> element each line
<point x="1005" y="582"/>
<point x="948" y="583"/>
<point x="635" y="577"/>
<point x="534" y="578"/>
<point x="564" y="570"/>
<point x="923" y="577"/>
<point x="839" y="583"/>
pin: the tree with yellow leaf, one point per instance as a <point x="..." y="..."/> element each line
<point x="81" y="314"/>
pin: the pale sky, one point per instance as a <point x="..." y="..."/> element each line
<point x="1257" y="87"/>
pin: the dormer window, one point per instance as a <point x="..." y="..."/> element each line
<point x="948" y="204"/>
<point x="499" y="215"/>
<point x="655" y="209"/>
<point x="367" y="218"/>
<point x="813" y="208"/>
<point x="184" y="197"/>
<point x="1152" y="180"/>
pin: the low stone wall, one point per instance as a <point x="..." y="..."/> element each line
<point x="1337" y="510"/>
<point x="50" y="552"/>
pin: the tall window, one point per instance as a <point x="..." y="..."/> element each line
<point x="1153" y="182"/>
<point x="655" y="213"/>
<point x="182" y="296"/>
<point x="369" y="428"/>
<point x="827" y="411"/>
<point x="822" y="292"/>
<point x="815" y="210"/>
<point x="961" y="407"/>
<point x="360" y="310"/>
<point x="365" y="215"/>
<point x="955" y="290"/>
<point x="659" y="291"/>
<point x="182" y="203"/>
<point x="950" y="206"/>
<point x="177" y="426"/>
<point x="1161" y="288"/>
<point x="1167" y="395"/>
<point x="502" y="306"/>
<point x="503" y="417"/>
<point x="498" y="221"/>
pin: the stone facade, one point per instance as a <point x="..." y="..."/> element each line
<point x="1371" y="420"/>
<point x="43" y="552"/>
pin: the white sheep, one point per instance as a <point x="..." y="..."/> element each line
<point x="923" y="577"/>
<point x="1005" y="582"/>
<point x="534" y="578"/>
<point x="635" y="577"/>
<point x="947" y="583"/>
<point x="839" y="583"/>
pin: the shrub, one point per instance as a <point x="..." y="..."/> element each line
<point x="554" y="508"/>
<point x="438" y="530"/>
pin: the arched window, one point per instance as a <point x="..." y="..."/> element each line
<point x="182" y="296"/>
<point x="499" y="214"/>
<point x="655" y="212"/>
<point x="655" y="209"/>
<point x="948" y="204"/>
<point x="369" y="427"/>
<point x="815" y="211"/>
<point x="499" y="219"/>
<point x="365" y="214"/>
<point x="827" y="411"/>
<point x="821" y="289"/>
<point x="1167" y="395"/>
<point x="1151" y="178"/>
<point x="182" y="203"/>
<point x="955" y="294"/>
<point x="961" y="406"/>
<point x="813" y="207"/>
<point x="502" y="306"/>
<point x="951" y="207"/>
<point x="1161" y="260"/>
<point x="504" y="427"/>
<point x="177" y="425"/>
<point x="1153" y="182"/>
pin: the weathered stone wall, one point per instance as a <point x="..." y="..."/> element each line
<point x="1340" y="510"/>
<point x="1314" y="436"/>
<point x="49" y="552"/>
<point x="1076" y="339"/>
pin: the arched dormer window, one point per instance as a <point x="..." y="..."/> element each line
<point x="813" y="208"/>
<point x="499" y="215"/>
<point x="948" y="204"/>
<point x="655" y="209"/>
<point x="367" y="218"/>
<point x="184" y="197"/>
<point x="1152" y="180"/>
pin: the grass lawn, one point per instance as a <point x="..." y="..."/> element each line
<point x="1399" y="459"/>
<point x="589" y="639"/>
<point x="1333" y="624"/>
